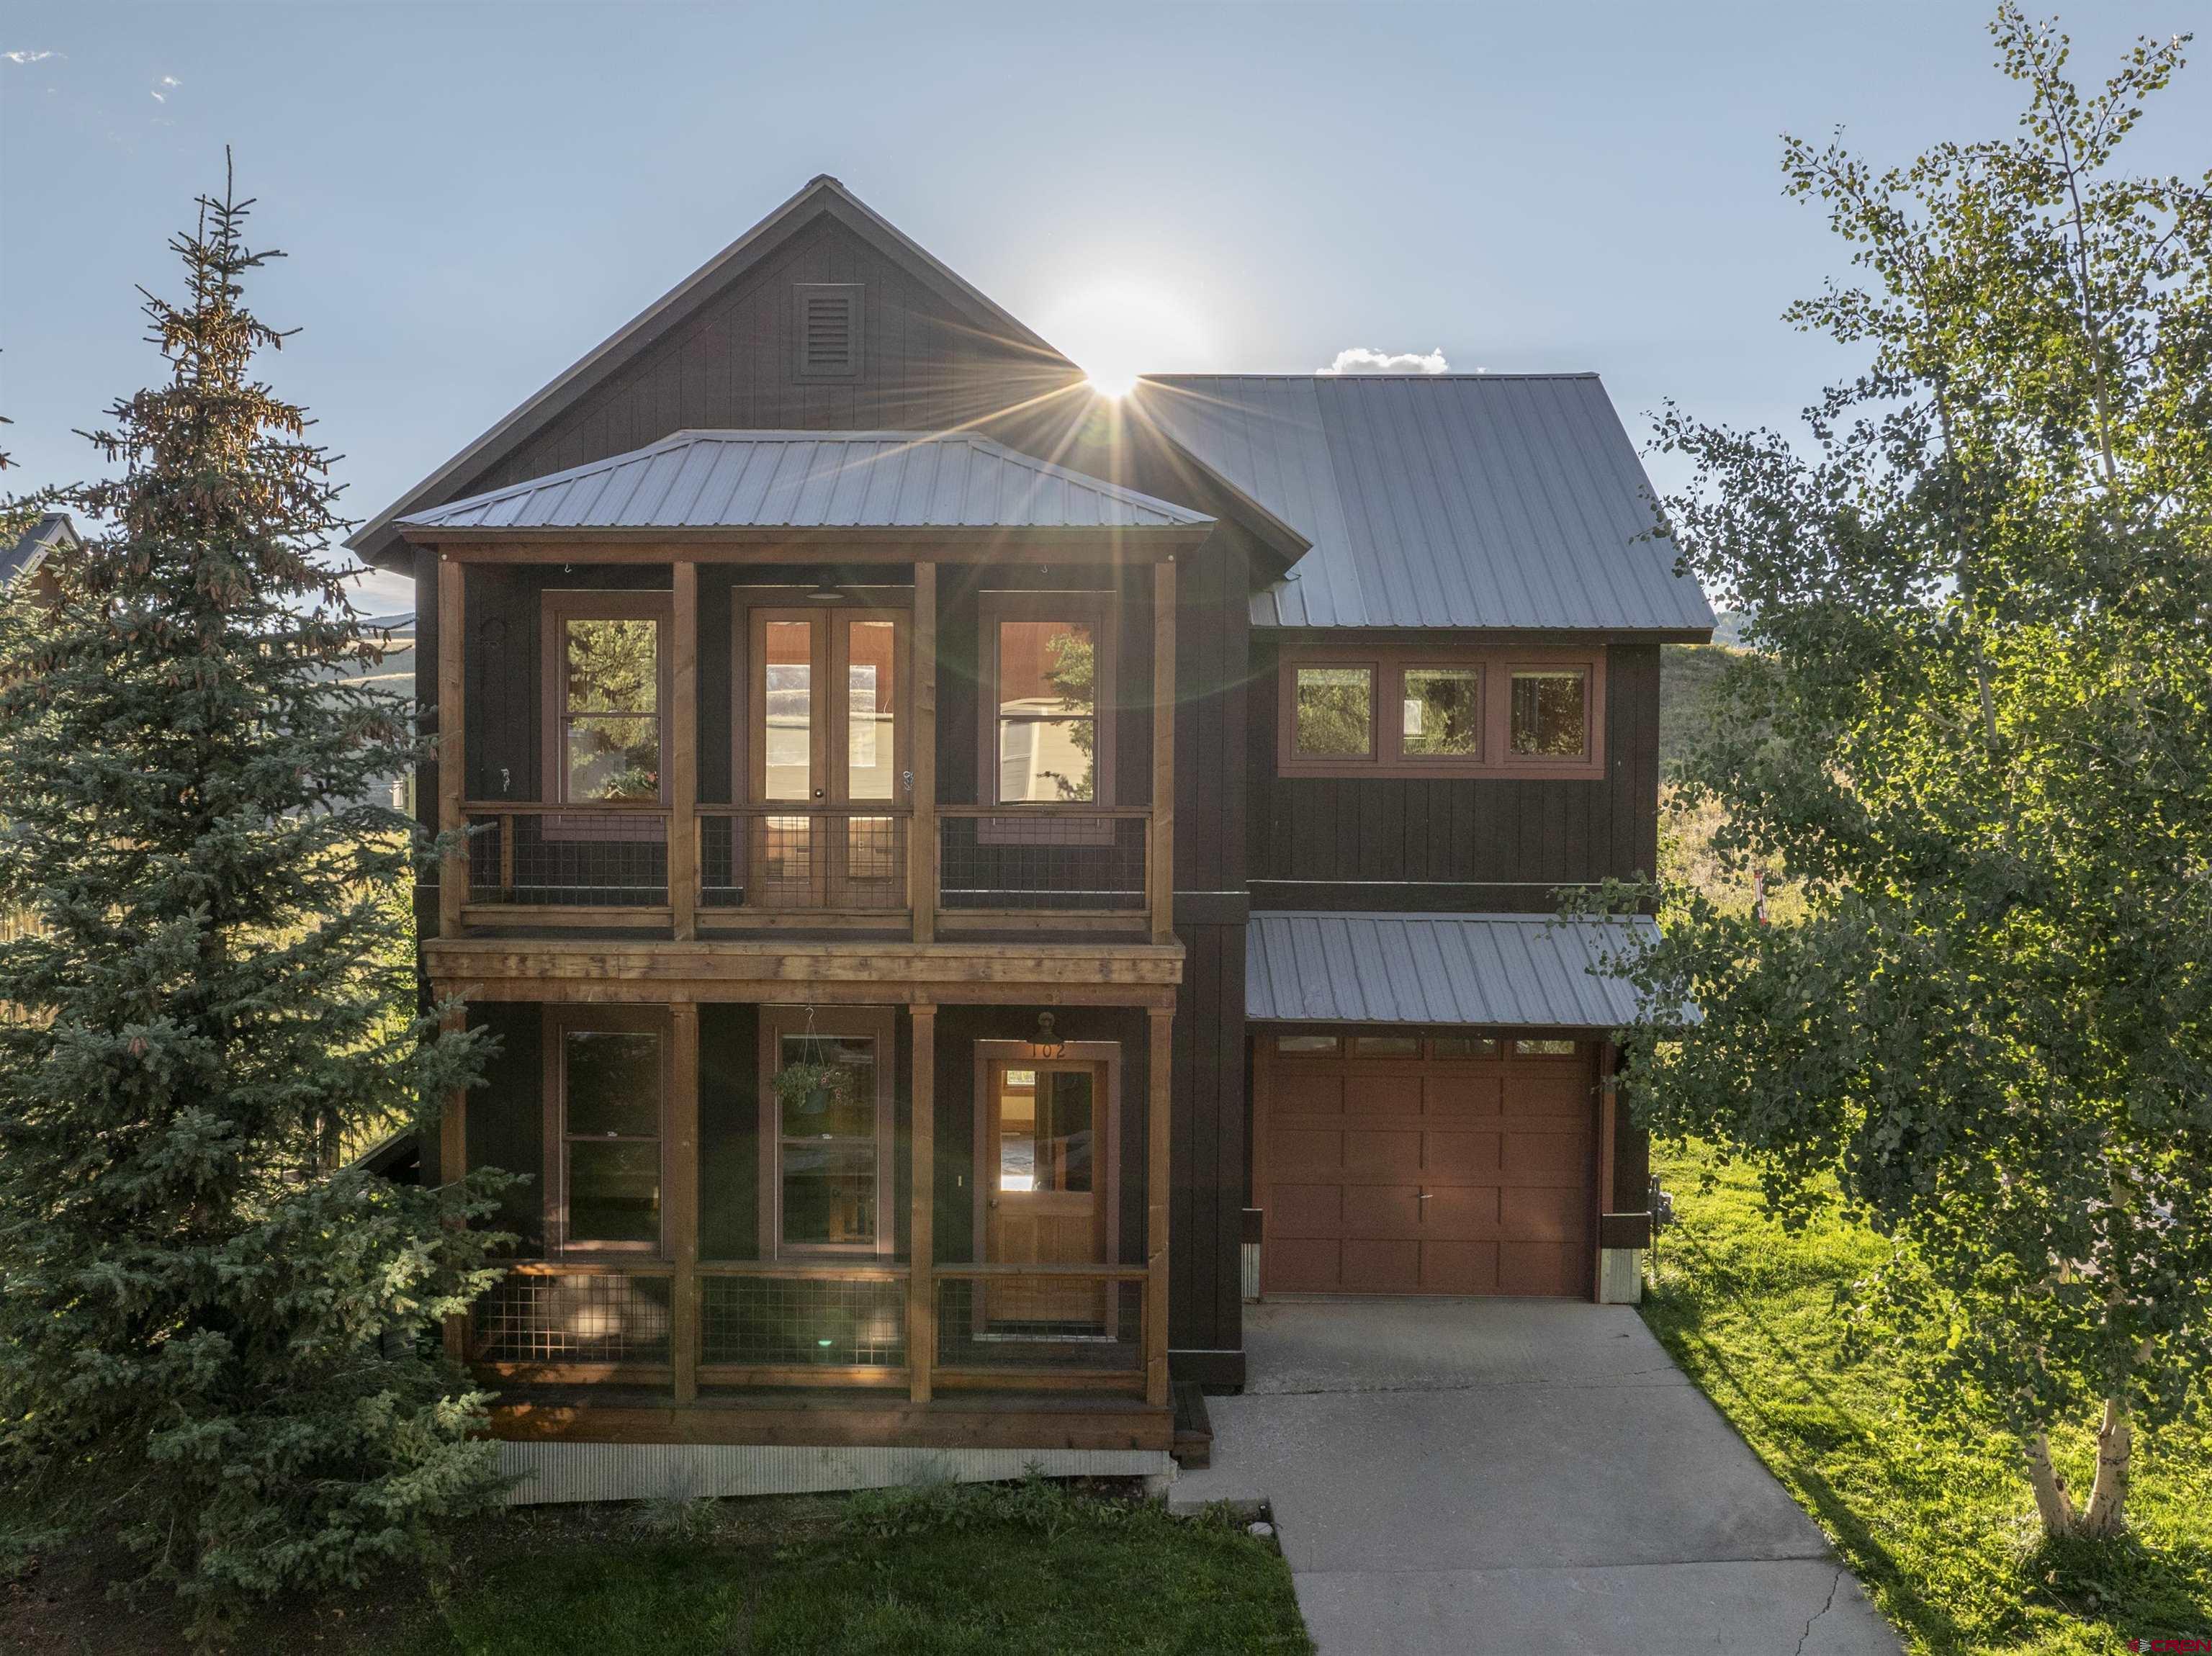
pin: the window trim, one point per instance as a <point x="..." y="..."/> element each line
<point x="558" y="1020"/>
<point x="1097" y="607"/>
<point x="1390" y="662"/>
<point x="559" y="606"/>
<point x="775" y="1024"/>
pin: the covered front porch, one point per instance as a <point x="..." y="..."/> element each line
<point x="875" y="1215"/>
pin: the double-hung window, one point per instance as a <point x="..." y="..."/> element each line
<point x="827" y="1157"/>
<point x="606" y="694"/>
<point x="607" y="1073"/>
<point x="1048" y="730"/>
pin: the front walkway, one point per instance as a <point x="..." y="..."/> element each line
<point x="1518" y="1477"/>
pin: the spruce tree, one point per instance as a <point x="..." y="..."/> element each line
<point x="216" y="1339"/>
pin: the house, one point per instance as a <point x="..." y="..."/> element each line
<point x="970" y="876"/>
<point x="25" y="561"/>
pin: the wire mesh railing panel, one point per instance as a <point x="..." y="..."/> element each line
<point x="1041" y="862"/>
<point x="541" y="1317"/>
<point x="842" y="859"/>
<point x="576" y="859"/>
<point x="1045" y="1324"/>
<point x="792" y="1321"/>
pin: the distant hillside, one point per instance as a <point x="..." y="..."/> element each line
<point x="1686" y="674"/>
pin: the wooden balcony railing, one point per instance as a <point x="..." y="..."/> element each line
<point x="1034" y="868"/>
<point x="1060" y="1328"/>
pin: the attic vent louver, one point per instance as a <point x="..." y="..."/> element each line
<point x="828" y="327"/>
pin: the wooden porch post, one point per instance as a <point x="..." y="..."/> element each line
<point x="680" y="1208"/>
<point x="1160" y="1080"/>
<point x="1159" y="866"/>
<point x="684" y="756"/>
<point x="453" y="1162"/>
<point x="921" y="828"/>
<point x="921" y="1243"/>
<point x="452" y="779"/>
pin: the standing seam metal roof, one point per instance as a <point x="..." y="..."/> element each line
<point x="1534" y="971"/>
<point x="1492" y="501"/>
<point x="813" y="479"/>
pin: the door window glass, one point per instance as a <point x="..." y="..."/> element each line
<point x="871" y="682"/>
<point x="787" y="709"/>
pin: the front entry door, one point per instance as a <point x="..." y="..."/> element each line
<point x="828" y="742"/>
<point x="1045" y="1149"/>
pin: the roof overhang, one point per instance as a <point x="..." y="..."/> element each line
<point x="810" y="545"/>
<point x="1486" y="971"/>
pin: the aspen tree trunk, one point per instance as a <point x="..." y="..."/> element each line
<point x="2106" y="1514"/>
<point x="2053" y="1500"/>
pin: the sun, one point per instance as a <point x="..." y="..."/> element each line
<point x="1119" y="328"/>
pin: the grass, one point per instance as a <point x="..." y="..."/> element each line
<point x="1027" y="1569"/>
<point x="1936" y="1519"/>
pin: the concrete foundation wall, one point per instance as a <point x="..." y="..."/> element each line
<point x="551" y="1472"/>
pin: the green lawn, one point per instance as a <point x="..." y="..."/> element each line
<point x="1006" y="1570"/>
<point x="1938" y="1522"/>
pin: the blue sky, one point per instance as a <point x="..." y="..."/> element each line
<point x="472" y="195"/>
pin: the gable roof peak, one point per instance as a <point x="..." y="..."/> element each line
<point x="824" y="195"/>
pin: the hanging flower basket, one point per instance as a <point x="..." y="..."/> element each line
<point x="804" y="1088"/>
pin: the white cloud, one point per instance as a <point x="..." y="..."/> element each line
<point x="1357" y="359"/>
<point x="163" y="87"/>
<point x="20" y="56"/>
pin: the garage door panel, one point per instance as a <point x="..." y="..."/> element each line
<point x="1372" y="1211"/>
<point x="1294" y="1264"/>
<point x="1461" y="1216"/>
<point x="1550" y="1268"/>
<point x="1468" y="1175"/>
<point x="1460" y="1157"/>
<point x="1542" y="1216"/>
<point x="1543" y="1094"/>
<point x="1373" y="1267"/>
<point x="1459" y="1267"/>
<point x="1382" y="1095"/>
<point x="1307" y="1211"/>
<point x="1308" y="1153"/>
<point x="1310" y="1095"/>
<point x="1462" y="1098"/>
<point x="1383" y="1156"/>
<point x="1545" y="1158"/>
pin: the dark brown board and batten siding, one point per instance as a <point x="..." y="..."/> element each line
<point x="1470" y="844"/>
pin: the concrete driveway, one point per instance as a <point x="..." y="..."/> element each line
<point x="1517" y="1475"/>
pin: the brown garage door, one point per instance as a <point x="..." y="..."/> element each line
<point x="1407" y="1164"/>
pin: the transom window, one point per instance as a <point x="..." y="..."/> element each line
<point x="1420" y="710"/>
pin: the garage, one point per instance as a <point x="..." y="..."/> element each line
<point x="1425" y="1164"/>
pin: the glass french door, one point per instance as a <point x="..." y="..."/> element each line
<point x="829" y="740"/>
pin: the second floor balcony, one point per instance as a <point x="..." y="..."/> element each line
<point x="853" y="730"/>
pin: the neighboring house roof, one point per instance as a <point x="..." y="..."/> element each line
<point x="811" y="480"/>
<point x="823" y="195"/>
<point x="1471" y="500"/>
<point x="22" y="560"/>
<point x="1506" y="971"/>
